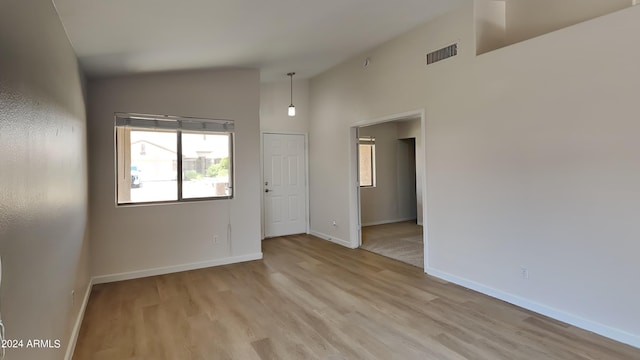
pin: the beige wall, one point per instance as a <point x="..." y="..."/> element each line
<point x="379" y="204"/>
<point x="499" y="23"/>
<point x="172" y="237"/>
<point x="491" y="25"/>
<point x="275" y="98"/>
<point x="529" y="18"/>
<point x="43" y="179"/>
<point x="391" y="200"/>
<point x="530" y="162"/>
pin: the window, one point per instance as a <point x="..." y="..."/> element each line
<point x="367" y="157"/>
<point x="170" y="159"/>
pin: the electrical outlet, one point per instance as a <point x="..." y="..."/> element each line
<point x="215" y="239"/>
<point x="334" y="223"/>
<point x="524" y="273"/>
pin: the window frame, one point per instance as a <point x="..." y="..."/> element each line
<point x="371" y="142"/>
<point x="179" y="124"/>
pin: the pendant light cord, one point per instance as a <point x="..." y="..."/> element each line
<point x="291" y="78"/>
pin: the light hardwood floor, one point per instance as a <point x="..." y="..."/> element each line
<point x="311" y="299"/>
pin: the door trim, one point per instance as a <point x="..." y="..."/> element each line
<point x="355" y="226"/>
<point x="306" y="177"/>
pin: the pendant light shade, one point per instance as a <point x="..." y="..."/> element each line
<point x="292" y="109"/>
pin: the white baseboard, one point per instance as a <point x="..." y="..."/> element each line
<point x="604" y="330"/>
<point x="73" y="338"/>
<point x="175" y="268"/>
<point x="388" y="221"/>
<point x="333" y="239"/>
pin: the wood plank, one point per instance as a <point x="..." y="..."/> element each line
<point x="311" y="299"/>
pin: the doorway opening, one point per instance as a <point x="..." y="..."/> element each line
<point x="390" y="196"/>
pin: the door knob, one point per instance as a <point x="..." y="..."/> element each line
<point x="266" y="190"/>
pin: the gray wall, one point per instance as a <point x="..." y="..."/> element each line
<point x="142" y="240"/>
<point x="43" y="178"/>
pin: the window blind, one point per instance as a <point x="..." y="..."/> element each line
<point x="174" y="123"/>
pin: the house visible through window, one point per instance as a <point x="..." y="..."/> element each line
<point x="367" y="157"/>
<point x="170" y="159"/>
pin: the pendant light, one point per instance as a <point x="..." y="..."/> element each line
<point x="292" y="109"/>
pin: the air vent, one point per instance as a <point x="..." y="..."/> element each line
<point x="441" y="54"/>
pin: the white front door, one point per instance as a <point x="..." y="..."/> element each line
<point x="284" y="184"/>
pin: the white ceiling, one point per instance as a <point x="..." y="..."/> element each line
<point x="113" y="37"/>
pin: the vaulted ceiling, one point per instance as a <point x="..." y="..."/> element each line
<point x="115" y="37"/>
